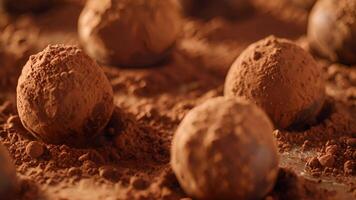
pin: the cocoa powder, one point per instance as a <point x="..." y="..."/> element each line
<point x="130" y="159"/>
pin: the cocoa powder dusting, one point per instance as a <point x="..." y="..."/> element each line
<point x="130" y="158"/>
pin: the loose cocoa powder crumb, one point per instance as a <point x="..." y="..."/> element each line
<point x="34" y="149"/>
<point x="73" y="171"/>
<point x="69" y="162"/>
<point x="337" y="122"/>
<point x="349" y="167"/>
<point x="290" y="187"/>
<point x="139" y="183"/>
<point x="108" y="172"/>
<point x="327" y="160"/>
<point x="336" y="156"/>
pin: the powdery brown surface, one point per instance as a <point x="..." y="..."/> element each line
<point x="63" y="96"/>
<point x="219" y="152"/>
<point x="130" y="160"/>
<point x="272" y="71"/>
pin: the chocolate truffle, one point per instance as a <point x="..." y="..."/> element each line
<point x="281" y="78"/>
<point x="16" y="46"/>
<point x="332" y="30"/>
<point x="224" y="149"/>
<point x="129" y="33"/>
<point x="21" y="6"/>
<point x="63" y="96"/>
<point x="8" y="178"/>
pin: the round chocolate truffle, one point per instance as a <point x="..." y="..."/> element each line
<point x="63" y="96"/>
<point x="224" y="149"/>
<point x="8" y="178"/>
<point x="21" y="6"/>
<point x="281" y="78"/>
<point x="332" y="30"/>
<point x="129" y="33"/>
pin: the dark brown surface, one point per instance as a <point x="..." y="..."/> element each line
<point x="131" y="159"/>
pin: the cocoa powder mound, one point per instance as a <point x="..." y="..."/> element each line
<point x="335" y="157"/>
<point x="49" y="165"/>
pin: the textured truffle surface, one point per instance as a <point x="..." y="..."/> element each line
<point x="281" y="78"/>
<point x="8" y="179"/>
<point x="332" y="30"/>
<point x="224" y="149"/>
<point x="129" y="32"/>
<point x="63" y="96"/>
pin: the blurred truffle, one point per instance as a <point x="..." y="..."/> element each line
<point x="129" y="33"/>
<point x="230" y="9"/>
<point x="22" y="6"/>
<point x="16" y="46"/>
<point x="63" y="96"/>
<point x="224" y="149"/>
<point x="8" y="180"/>
<point x="332" y="30"/>
<point x="281" y="78"/>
